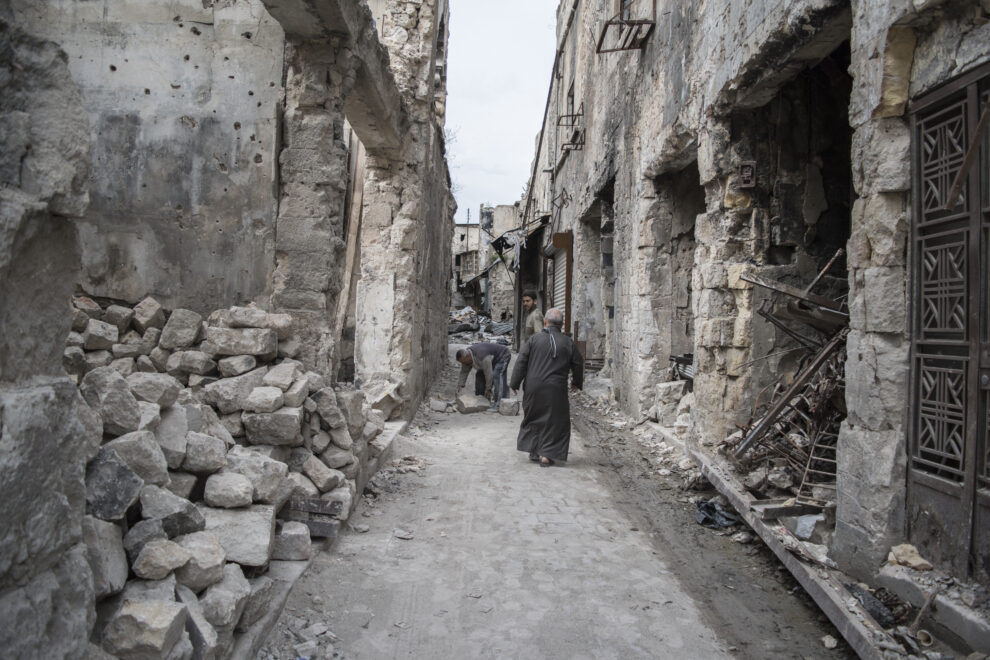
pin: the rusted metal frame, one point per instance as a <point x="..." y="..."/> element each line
<point x="794" y="292"/>
<point x="806" y="342"/>
<point x="783" y="403"/>
<point x="571" y="120"/>
<point x="633" y="23"/>
<point x="821" y="274"/>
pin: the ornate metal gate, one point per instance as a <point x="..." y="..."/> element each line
<point x="948" y="502"/>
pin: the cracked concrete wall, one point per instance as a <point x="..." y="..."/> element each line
<point x="183" y="104"/>
<point x="47" y="433"/>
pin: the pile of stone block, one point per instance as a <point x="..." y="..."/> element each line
<point x="210" y="429"/>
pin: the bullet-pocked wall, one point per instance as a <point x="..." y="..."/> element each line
<point x="183" y="107"/>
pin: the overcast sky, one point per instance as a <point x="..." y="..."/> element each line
<point x="498" y="71"/>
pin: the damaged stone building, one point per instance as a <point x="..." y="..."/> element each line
<point x="279" y="161"/>
<point x="703" y="168"/>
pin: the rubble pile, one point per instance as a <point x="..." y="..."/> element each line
<point x="218" y="447"/>
<point x="468" y="327"/>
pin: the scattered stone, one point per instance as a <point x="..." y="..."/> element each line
<point x="292" y="542"/>
<point x="204" y="453"/>
<point x="282" y="427"/>
<point x="149" y="589"/>
<point x="829" y="642"/>
<point x="264" y="399"/>
<point x="144" y="629"/>
<point x="780" y="477"/>
<point x="295" y="396"/>
<point x="467" y="403"/>
<point x="201" y="633"/>
<point x="211" y="425"/>
<point x="289" y="347"/>
<point x="183" y="363"/>
<point x="508" y="407"/>
<point x="143" y="364"/>
<point x="351" y="404"/>
<point x="142" y="454"/>
<point x="74" y="360"/>
<point x="228" y="490"/>
<point x="148" y="314"/>
<point x="99" y="336"/>
<point x="181" y="330"/>
<point x="320" y="441"/>
<point x="907" y="555"/>
<point x="236" y="365"/>
<point x="158" y="558"/>
<point x="402" y="534"/>
<point x="161" y="389"/>
<point x="80" y="318"/>
<point x="258" y="602"/>
<point x="345" y="496"/>
<point x="119" y="316"/>
<point x="246" y="317"/>
<point x="232" y="422"/>
<point x="140" y="534"/>
<point x="171" y="435"/>
<point x="230" y="394"/>
<point x="436" y="405"/>
<point x="105" y="552"/>
<point x="107" y="392"/>
<point x="182" y="484"/>
<point x="241" y="341"/>
<point x="111" y="485"/>
<point x="206" y="561"/>
<point x="326" y="406"/>
<point x="178" y="515"/>
<point x="224" y="601"/>
<point x="98" y="359"/>
<point x="246" y="534"/>
<point x="361" y="528"/>
<point x="265" y="473"/>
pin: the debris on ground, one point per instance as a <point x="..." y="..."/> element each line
<point x="468" y="326"/>
<point x="906" y="554"/>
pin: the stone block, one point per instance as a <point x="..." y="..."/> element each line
<point x="204" y="453"/>
<point x="230" y="394"/>
<point x="142" y="454"/>
<point x="351" y="404"/>
<point x="206" y="561"/>
<point x="242" y="341"/>
<point x="179" y="516"/>
<point x="289" y="347"/>
<point x="228" y="490"/>
<point x="79" y="319"/>
<point x="158" y="558"/>
<point x="264" y="399"/>
<point x="326" y="406"/>
<point x="236" y="365"/>
<point x="246" y="317"/>
<point x="295" y="396"/>
<point x="323" y="477"/>
<point x="161" y="389"/>
<point x="112" y="487"/>
<point x="292" y="542"/>
<point x="508" y="407"/>
<point x="302" y="486"/>
<point x="148" y="314"/>
<point x="105" y="552"/>
<point x="140" y="534"/>
<point x="182" y="484"/>
<point x="282" y="375"/>
<point x="258" y="603"/>
<point x="436" y="405"/>
<point x="232" y="422"/>
<point x="282" y="427"/>
<point x="74" y="361"/>
<point x="223" y="602"/>
<point x="183" y="363"/>
<point x="336" y="457"/>
<point x="202" y="635"/>
<point x="159" y="358"/>
<point x="342" y="438"/>
<point x="246" y="534"/>
<point x="123" y="366"/>
<point x="266" y="474"/>
<point x="181" y="331"/>
<point x="98" y="359"/>
<point x="107" y="392"/>
<point x="119" y="316"/>
<point x="99" y="336"/>
<point x="172" y="432"/>
<point x="143" y="364"/>
<point x="143" y="629"/>
<point x="468" y="403"/>
<point x="343" y="494"/>
<point x="885" y="299"/>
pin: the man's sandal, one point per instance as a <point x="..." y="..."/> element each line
<point x="546" y="462"/>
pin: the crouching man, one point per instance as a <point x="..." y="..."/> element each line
<point x="491" y="362"/>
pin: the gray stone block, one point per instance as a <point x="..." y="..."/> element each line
<point x="206" y="561"/>
<point x="142" y="454"/>
<point x="140" y="534"/>
<point x="119" y="316"/>
<point x="236" y="365"/>
<point x="182" y="484"/>
<point x="326" y="405"/>
<point x="159" y="357"/>
<point x="98" y="359"/>
<point x="181" y="330"/>
<point x="319" y="441"/>
<point x="171" y="435"/>
<point x="508" y="407"/>
<point x="245" y="534"/>
<point x="264" y="399"/>
<point x="112" y="487"/>
<point x="158" y="558"/>
<point x="302" y="486"/>
<point x="242" y="341"/>
<point x="336" y="458"/>
<point x="282" y="375"/>
<point x="351" y="404"/>
<point x="79" y="319"/>
<point x="228" y="490"/>
<point x="150" y="416"/>
<point x="99" y="336"/>
<point x="282" y="427"/>
<point x="143" y="364"/>
<point x="154" y="388"/>
<point x="223" y="603"/>
<point x="123" y="366"/>
<point x="295" y="396"/>
<point x="342" y="438"/>
<point x="74" y="361"/>
<point x="258" y="603"/>
<point x="183" y="363"/>
<point x="143" y="629"/>
<point x="246" y="317"/>
<point x="471" y="403"/>
<point x="107" y="392"/>
<point x="204" y="453"/>
<point x="105" y="552"/>
<point x="230" y="394"/>
<point x="266" y="474"/>
<point x="323" y="477"/>
<point x="148" y="314"/>
<point x="292" y="542"/>
<point x="178" y="515"/>
<point x="201" y="633"/>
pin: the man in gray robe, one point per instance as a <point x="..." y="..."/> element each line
<point x="541" y="368"/>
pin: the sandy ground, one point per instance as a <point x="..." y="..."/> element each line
<point x="465" y="549"/>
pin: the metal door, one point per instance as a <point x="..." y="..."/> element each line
<point x="948" y="500"/>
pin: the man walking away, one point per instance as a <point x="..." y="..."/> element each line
<point x="534" y="319"/>
<point x="489" y="359"/>
<point x="542" y="368"/>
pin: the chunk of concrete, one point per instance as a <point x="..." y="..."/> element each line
<point x="201" y="632"/>
<point x="206" y="561"/>
<point x="142" y="454"/>
<point x="112" y="486"/>
<point x="436" y="405"/>
<point x="336" y="458"/>
<point x="246" y="534"/>
<point x="467" y="403"/>
<point x="119" y="316"/>
<point x="292" y="542"/>
<point x="105" y="552"/>
<point x="123" y="366"/>
<point x="204" y="453"/>
<point x="345" y="496"/>
<point x="223" y="603"/>
<point x="230" y="394"/>
<point x="178" y="515"/>
<point x="302" y="486"/>
<point x="171" y="435"/>
<point x="246" y="317"/>
<point x="148" y="314"/>
<point x="326" y="406"/>
<point x="319" y="442"/>
<point x="342" y="438"/>
<point x="143" y="629"/>
<point x="295" y="396"/>
<point x="99" y="336"/>
<point x="183" y="363"/>
<point x="106" y="391"/>
<point x="351" y="404"/>
<point x="242" y="341"/>
<point x="161" y="389"/>
<point x="228" y="490"/>
<point x="158" y="558"/>
<point x="181" y="330"/>
<point x="282" y="427"/>
<point x="264" y="399"/>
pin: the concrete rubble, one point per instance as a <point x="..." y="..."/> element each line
<point x="196" y="500"/>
